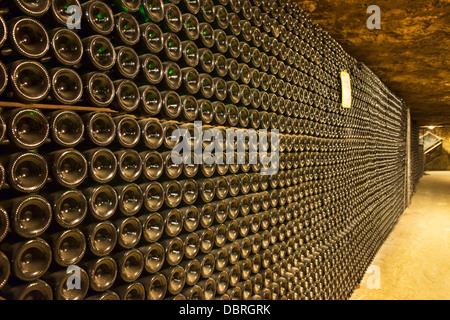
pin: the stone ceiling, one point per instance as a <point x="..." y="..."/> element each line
<point x="410" y="52"/>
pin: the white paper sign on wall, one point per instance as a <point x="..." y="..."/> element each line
<point x="346" y="90"/>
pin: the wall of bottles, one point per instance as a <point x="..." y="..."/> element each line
<point x="99" y="190"/>
<point x="417" y="156"/>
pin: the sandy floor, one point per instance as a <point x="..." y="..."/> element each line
<point x="414" y="262"/>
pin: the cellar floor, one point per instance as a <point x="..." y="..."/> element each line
<point x="414" y="262"/>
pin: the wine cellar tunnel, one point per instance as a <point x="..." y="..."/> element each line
<point x="223" y="150"/>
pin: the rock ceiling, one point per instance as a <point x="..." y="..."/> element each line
<point x="410" y="53"/>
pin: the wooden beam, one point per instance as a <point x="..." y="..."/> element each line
<point x="8" y="104"/>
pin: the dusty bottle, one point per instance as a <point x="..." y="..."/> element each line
<point x="128" y="132"/>
<point x="68" y="246"/>
<point x="132" y="291"/>
<point x="98" y="18"/>
<point x="98" y="89"/>
<point x="37" y="290"/>
<point x="102" y="164"/>
<point x="155" y="286"/>
<point x="129" y="164"/>
<point x="130" y="264"/>
<point x="101" y="238"/>
<point x="30" y="216"/>
<point x="102" y="273"/>
<point x="66" y="46"/>
<point x="130" y="198"/>
<point x="27" y="128"/>
<point x="69" y="167"/>
<point x="30" y="259"/>
<point x="66" y="128"/>
<point x="129" y="231"/>
<point x="176" y="278"/>
<point x="58" y="280"/>
<point x="100" y="128"/>
<point x="29" y="80"/>
<point x="102" y="201"/>
<point x="154" y="257"/>
<point x="69" y="207"/>
<point x="27" y="172"/>
<point x="127" y="63"/>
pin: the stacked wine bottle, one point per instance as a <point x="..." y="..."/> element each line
<point x="417" y="156"/>
<point x="98" y="195"/>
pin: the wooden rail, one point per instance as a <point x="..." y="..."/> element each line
<point x="7" y="104"/>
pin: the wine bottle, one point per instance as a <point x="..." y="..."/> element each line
<point x="126" y="29"/>
<point x="27" y="172"/>
<point x="206" y="60"/>
<point x="66" y="46"/>
<point x="69" y="167"/>
<point x="27" y="128"/>
<point x="130" y="198"/>
<point x="174" y="250"/>
<point x="155" y="285"/>
<point x="37" y="290"/>
<point x="100" y="128"/>
<point x="172" y="46"/>
<point x="151" y="69"/>
<point x="100" y="52"/>
<point x="127" y="62"/>
<point x="129" y="164"/>
<point x="3" y="79"/>
<point x="189" y="53"/>
<point x="102" y="273"/>
<point x="173" y="196"/>
<point x="59" y="279"/>
<point x="132" y="291"/>
<point x="30" y="259"/>
<point x="29" y="80"/>
<point x="58" y="10"/>
<point x="101" y="238"/>
<point x="98" y="88"/>
<point x="193" y="6"/>
<point x="69" y="207"/>
<point x="192" y="270"/>
<point x="153" y="195"/>
<point x="97" y="18"/>
<point x="207" y="11"/>
<point x="68" y="247"/>
<point x="130" y="264"/>
<point x="176" y="278"/>
<point x="28" y="37"/>
<point x="102" y="201"/>
<point x="66" y="86"/>
<point x="190" y="26"/>
<point x="152" y="10"/>
<point x="128" y="131"/>
<point x="172" y="76"/>
<point x="172" y="18"/>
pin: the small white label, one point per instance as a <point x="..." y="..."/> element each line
<point x="346" y="90"/>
